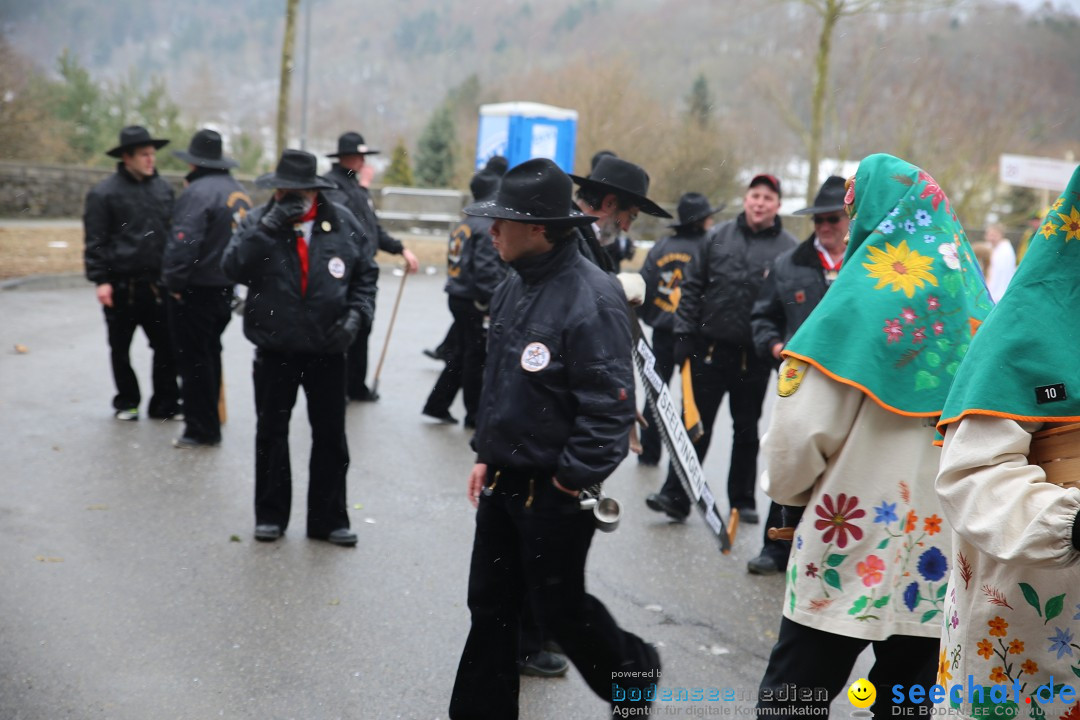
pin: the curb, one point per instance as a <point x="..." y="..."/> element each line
<point x="71" y="281"/>
<point x="66" y="281"/>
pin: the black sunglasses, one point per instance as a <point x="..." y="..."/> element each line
<point x="831" y="219"/>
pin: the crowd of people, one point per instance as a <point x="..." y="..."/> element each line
<point x="879" y="332"/>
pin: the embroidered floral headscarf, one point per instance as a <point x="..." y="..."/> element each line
<point x="1021" y="365"/>
<point x="899" y="318"/>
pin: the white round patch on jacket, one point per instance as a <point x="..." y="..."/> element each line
<point x="337" y="267"/>
<point x="535" y="357"/>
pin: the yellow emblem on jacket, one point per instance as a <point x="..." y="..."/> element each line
<point x="790" y="375"/>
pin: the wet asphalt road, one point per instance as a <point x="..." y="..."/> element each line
<point x="130" y="586"/>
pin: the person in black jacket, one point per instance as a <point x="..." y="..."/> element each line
<point x="712" y="329"/>
<point x="473" y="270"/>
<point x="792" y="289"/>
<point x="614" y="193"/>
<point x="311" y="277"/>
<point x="556" y="409"/>
<point x="493" y="170"/>
<point x="663" y="272"/>
<point x="345" y="175"/>
<point x="126" y="220"/>
<point x="200" y="302"/>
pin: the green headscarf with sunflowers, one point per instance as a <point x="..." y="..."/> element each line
<point x="899" y="318"/>
<point x="1021" y="362"/>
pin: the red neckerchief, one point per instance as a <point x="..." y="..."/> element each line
<point x="302" y="247"/>
<point x="827" y="262"/>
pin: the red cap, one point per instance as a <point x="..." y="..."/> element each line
<point x="765" y="179"/>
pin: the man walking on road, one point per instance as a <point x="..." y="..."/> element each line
<point x="345" y="175"/>
<point x="200" y="302"/>
<point x="126" y="222"/>
<point x="663" y="272"/>
<point x="712" y="329"/>
<point x="473" y="271"/>
<point x="556" y="410"/>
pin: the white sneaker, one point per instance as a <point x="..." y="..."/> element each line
<point x="127" y="415"/>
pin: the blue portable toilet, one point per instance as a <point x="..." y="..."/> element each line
<point x="521" y="131"/>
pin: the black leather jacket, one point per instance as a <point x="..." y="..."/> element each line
<point x="342" y="278"/>
<point x="126" y="223"/>
<point x="722" y="283"/>
<point x="664" y="270"/>
<point x="206" y="215"/>
<point x="356" y="197"/>
<point x="559" y="385"/>
<point x="593" y="251"/>
<point x="473" y="266"/>
<point x="793" y="288"/>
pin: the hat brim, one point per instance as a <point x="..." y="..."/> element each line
<point x="222" y="163"/>
<point x="814" y="210"/>
<point x="646" y="205"/>
<point x="698" y="218"/>
<point x="361" y="150"/>
<point x="492" y="209"/>
<point x="118" y="151"/>
<point x="272" y="181"/>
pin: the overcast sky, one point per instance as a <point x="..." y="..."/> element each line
<point x="1070" y="5"/>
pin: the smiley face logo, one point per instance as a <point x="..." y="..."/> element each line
<point x="861" y="693"/>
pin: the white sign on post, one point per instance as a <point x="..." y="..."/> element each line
<point x="1036" y="172"/>
<point x="684" y="459"/>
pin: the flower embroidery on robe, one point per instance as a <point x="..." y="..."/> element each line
<point x="835" y="519"/>
<point x="904" y="269"/>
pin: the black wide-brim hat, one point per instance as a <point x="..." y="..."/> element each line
<point x="204" y="150"/>
<point x="613" y="174"/>
<point x="352" y="143"/>
<point x="536" y="191"/>
<point x="295" y="171"/>
<point x="694" y="207"/>
<point x="830" y="197"/>
<point x="135" y="136"/>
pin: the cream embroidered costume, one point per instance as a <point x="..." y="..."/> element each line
<point x="1012" y="612"/>
<point x="869" y="558"/>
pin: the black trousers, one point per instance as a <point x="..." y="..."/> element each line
<point x="446" y="346"/>
<point x="141" y="303"/>
<point x="356" y="362"/>
<point x="197" y="321"/>
<point x="717" y="369"/>
<point x="466" y="353"/>
<point x="820" y="662"/>
<point x="533" y="538"/>
<point x="778" y="550"/>
<point x="663" y="345"/>
<point x="531" y="639"/>
<point x="278" y="376"/>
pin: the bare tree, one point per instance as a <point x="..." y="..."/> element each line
<point x="613" y="113"/>
<point x="831" y="12"/>
<point x="286" y="74"/>
<point x="28" y="131"/>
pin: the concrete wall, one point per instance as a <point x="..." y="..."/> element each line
<point x="59" y="191"/>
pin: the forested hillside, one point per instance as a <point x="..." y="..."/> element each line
<point x="696" y="90"/>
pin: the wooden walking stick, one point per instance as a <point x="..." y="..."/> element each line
<point x="390" y="329"/>
<point x="222" y="412"/>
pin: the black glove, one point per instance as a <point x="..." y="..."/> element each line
<point x="284" y="211"/>
<point x="790" y="515"/>
<point x="684" y="348"/>
<point x="344" y="331"/>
